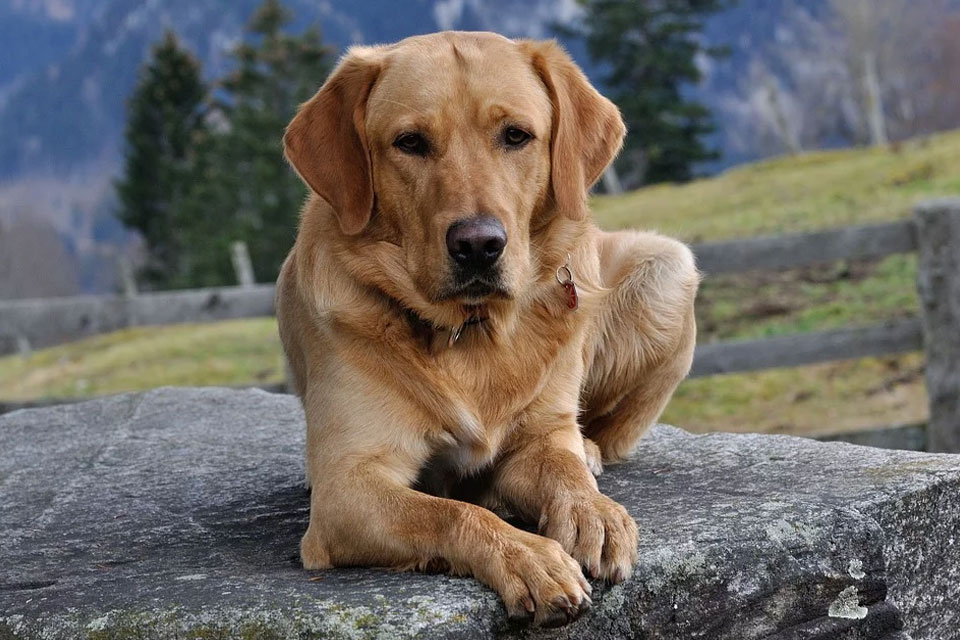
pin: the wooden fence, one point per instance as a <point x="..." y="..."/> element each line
<point x="934" y="232"/>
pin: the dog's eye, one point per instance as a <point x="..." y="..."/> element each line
<point x="413" y="143"/>
<point x="515" y="138"/>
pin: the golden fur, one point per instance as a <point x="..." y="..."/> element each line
<point x="400" y="419"/>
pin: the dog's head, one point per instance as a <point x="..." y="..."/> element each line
<point x="456" y="147"/>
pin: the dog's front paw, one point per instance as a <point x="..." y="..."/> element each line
<point x="596" y="531"/>
<point x="536" y="577"/>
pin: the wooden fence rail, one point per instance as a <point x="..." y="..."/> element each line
<point x="806" y="249"/>
<point x="49" y="321"/>
<point x="934" y="233"/>
<point x="807" y="348"/>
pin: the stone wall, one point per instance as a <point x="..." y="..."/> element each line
<point x="177" y="513"/>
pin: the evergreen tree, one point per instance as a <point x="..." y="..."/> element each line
<point x="244" y="189"/>
<point x="165" y="116"/>
<point x="647" y="52"/>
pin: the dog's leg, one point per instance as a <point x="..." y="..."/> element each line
<point x="384" y="523"/>
<point x="545" y="478"/>
<point x="642" y="345"/>
<point x="363" y="511"/>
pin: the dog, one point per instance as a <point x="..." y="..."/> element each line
<point x="461" y="334"/>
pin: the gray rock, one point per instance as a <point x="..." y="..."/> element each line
<point x="177" y="514"/>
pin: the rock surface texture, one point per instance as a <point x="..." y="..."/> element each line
<point x="177" y="514"/>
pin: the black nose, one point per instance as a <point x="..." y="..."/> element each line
<point x="477" y="243"/>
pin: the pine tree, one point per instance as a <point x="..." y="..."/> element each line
<point x="244" y="189"/>
<point x="165" y="116"/>
<point x="647" y="52"/>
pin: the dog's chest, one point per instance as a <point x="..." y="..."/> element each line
<point x="508" y="373"/>
<point x="496" y="381"/>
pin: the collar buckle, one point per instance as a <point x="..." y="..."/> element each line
<point x="565" y="278"/>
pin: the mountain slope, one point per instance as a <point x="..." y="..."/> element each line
<point x="67" y="74"/>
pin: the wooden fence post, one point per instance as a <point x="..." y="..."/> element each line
<point x="23" y="347"/>
<point x="128" y="282"/>
<point x="611" y="181"/>
<point x="938" y="283"/>
<point x="242" y="264"/>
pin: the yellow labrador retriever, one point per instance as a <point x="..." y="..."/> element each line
<point x="460" y="332"/>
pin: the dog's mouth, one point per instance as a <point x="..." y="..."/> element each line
<point x="475" y="290"/>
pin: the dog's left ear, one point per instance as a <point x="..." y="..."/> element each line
<point x="587" y="128"/>
<point x="326" y="142"/>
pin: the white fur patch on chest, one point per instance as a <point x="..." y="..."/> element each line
<point x="469" y="445"/>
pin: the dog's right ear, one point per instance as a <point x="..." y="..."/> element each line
<point x="587" y="128"/>
<point x="326" y="143"/>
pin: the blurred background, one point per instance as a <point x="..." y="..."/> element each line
<point x="140" y="152"/>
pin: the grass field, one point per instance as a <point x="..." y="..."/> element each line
<point x="812" y="191"/>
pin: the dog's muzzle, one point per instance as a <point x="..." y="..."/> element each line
<point x="475" y="245"/>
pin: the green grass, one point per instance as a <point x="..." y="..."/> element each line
<point x="226" y="353"/>
<point x="812" y="191"/>
<point x="819" y="399"/>
<point x="846" y="294"/>
<point x="790" y="194"/>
